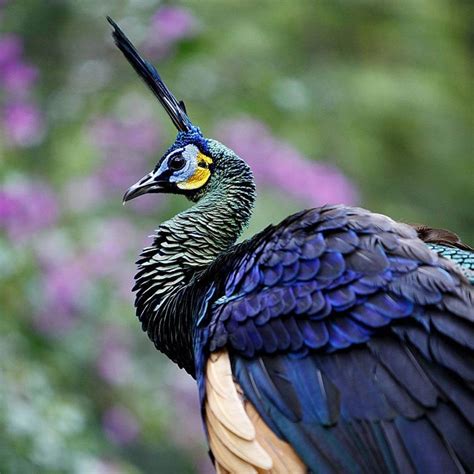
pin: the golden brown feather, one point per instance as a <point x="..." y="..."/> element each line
<point x="239" y="439"/>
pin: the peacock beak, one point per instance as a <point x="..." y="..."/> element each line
<point x="148" y="184"/>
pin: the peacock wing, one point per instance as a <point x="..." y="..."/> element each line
<point x="352" y="341"/>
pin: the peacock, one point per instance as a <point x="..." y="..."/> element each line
<point x="334" y="341"/>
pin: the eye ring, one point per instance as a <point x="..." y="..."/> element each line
<point x="176" y="162"/>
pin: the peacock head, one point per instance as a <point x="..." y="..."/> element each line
<point x="193" y="163"/>
<point x="186" y="168"/>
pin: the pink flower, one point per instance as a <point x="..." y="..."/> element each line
<point x="70" y="277"/>
<point x="112" y="136"/>
<point x="26" y="207"/>
<point x="279" y="166"/>
<point x="169" y="25"/>
<point x="22" y="124"/>
<point x="173" y="23"/>
<point x="17" y="78"/>
<point x="65" y="286"/>
<point x="126" y="147"/>
<point x="11" y="49"/>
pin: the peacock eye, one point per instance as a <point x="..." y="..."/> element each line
<point x="176" y="162"/>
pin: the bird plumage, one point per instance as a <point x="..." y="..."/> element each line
<point x="336" y="321"/>
<point x="449" y="245"/>
<point x="443" y="237"/>
<point x="335" y="341"/>
<point x="176" y="110"/>
<point x="464" y="259"/>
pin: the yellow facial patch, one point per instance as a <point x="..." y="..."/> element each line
<point x="200" y="176"/>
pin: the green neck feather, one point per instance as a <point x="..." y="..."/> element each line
<point x="186" y="245"/>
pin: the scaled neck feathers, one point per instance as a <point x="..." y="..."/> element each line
<point x="186" y="245"/>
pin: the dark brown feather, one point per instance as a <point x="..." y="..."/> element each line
<point x="440" y="236"/>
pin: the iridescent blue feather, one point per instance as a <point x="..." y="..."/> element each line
<point x="352" y="339"/>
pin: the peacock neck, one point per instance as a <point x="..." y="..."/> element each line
<point x="183" y="247"/>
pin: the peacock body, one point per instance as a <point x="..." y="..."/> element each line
<point x="335" y="341"/>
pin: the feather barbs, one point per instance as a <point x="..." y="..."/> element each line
<point x="239" y="439"/>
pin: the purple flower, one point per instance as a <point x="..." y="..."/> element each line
<point x="70" y="277"/>
<point x="114" y="363"/>
<point x="21" y="120"/>
<point x="115" y="243"/>
<point x="11" y="50"/>
<point x="22" y="124"/>
<point x="120" y="426"/>
<point x="17" y="78"/>
<point x="278" y="165"/>
<point x="169" y="25"/>
<point x="138" y="136"/>
<point x="126" y="147"/>
<point x="173" y="23"/>
<point x="26" y="207"/>
<point x="65" y="286"/>
<point x="110" y="241"/>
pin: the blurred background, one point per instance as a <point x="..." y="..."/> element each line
<point x="367" y="103"/>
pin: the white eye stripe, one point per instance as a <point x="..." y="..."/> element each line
<point x="174" y="153"/>
<point x="164" y="164"/>
<point x="189" y="153"/>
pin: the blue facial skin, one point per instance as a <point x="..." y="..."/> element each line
<point x="193" y="137"/>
